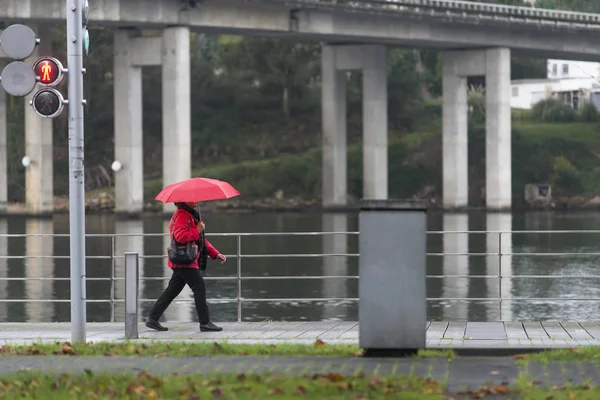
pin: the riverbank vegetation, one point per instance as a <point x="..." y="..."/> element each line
<point x="256" y="123"/>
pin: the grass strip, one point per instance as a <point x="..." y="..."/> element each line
<point x="195" y="349"/>
<point x="584" y="353"/>
<point x="181" y="349"/>
<point x="145" y="386"/>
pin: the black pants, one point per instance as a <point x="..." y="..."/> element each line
<point x="181" y="277"/>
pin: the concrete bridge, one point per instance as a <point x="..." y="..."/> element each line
<point x="477" y="39"/>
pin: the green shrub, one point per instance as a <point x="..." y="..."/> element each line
<point x="565" y="177"/>
<point x="552" y="110"/>
<point x="591" y="181"/>
<point x="588" y="113"/>
<point x="519" y="115"/>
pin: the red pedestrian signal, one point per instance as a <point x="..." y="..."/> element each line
<point x="48" y="70"/>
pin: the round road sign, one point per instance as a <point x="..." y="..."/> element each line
<point x="18" y="42"/>
<point x="18" y="79"/>
<point x="48" y="103"/>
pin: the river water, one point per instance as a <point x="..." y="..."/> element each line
<point x="521" y="262"/>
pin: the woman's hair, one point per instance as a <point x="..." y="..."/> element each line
<point x="179" y="205"/>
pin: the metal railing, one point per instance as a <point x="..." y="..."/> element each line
<point x="240" y="278"/>
<point x="457" y="8"/>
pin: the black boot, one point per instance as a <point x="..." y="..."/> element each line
<point x="210" y="327"/>
<point x="154" y="324"/>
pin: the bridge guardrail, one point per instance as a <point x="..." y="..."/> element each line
<point x="459" y="8"/>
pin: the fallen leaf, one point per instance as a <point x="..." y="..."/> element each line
<point x="241" y="378"/>
<point x="110" y="354"/>
<point x="334" y="377"/>
<point x="93" y="395"/>
<point x="358" y="353"/>
<point x="88" y="372"/>
<point x="242" y="353"/>
<point x="66" y="348"/>
<point x="376" y="381"/>
<point x="571" y="395"/>
<point x="502" y="390"/>
<point x="137" y="389"/>
<point x="320" y="343"/>
<point x="574" y="350"/>
<point x="152" y="394"/>
<point x="133" y="349"/>
<point x="344" y="385"/>
<point x="276" y="390"/>
<point x="216" y="392"/>
<point x="272" y="346"/>
<point x="217" y="347"/>
<point x="300" y="390"/>
<point x="519" y="356"/>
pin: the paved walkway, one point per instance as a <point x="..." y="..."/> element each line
<point x="456" y="335"/>
<point x="460" y="374"/>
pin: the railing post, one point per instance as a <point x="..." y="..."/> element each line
<point x="112" y="279"/>
<point x="500" y="275"/>
<point x="131" y="295"/>
<point x="239" y="278"/>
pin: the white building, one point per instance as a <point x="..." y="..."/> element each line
<point x="573" y="81"/>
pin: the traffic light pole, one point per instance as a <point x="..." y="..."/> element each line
<point x="75" y="43"/>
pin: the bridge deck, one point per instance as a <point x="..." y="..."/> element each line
<point x="499" y="335"/>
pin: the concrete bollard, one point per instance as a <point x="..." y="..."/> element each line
<point x="132" y="262"/>
<point x="392" y="311"/>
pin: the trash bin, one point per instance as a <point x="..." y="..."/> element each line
<point x="392" y="310"/>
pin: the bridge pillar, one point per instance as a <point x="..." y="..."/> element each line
<point x="454" y="135"/>
<point x="39" y="175"/>
<point x="336" y="60"/>
<point x="129" y="182"/>
<point x="333" y="104"/>
<point x="498" y="157"/>
<point x="375" y="123"/>
<point x="177" y="152"/>
<point x="494" y="64"/>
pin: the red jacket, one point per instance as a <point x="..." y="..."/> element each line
<point x="183" y="228"/>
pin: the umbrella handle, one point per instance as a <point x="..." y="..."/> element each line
<point x="199" y="213"/>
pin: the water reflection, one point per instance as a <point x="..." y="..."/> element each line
<point x="456" y="265"/>
<point x="39" y="247"/>
<point x="334" y="265"/>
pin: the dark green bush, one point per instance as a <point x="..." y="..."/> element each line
<point x="552" y="110"/>
<point x="588" y="113"/>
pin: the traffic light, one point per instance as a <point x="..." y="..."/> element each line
<point x="19" y="78"/>
<point x="48" y="102"/>
<point x="48" y="71"/>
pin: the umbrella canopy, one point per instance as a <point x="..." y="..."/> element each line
<point x="197" y="189"/>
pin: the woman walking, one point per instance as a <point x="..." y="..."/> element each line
<point x="186" y="227"/>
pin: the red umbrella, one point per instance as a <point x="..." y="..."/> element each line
<point x="196" y="189"/>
